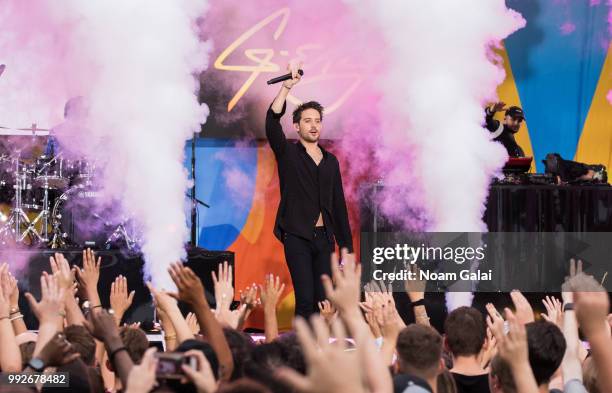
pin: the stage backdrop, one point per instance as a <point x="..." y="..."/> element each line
<point x="558" y="69"/>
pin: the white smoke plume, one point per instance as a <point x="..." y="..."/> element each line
<point x="440" y="75"/>
<point x="143" y="109"/>
<point x="136" y="64"/>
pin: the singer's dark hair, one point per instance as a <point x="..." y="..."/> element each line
<point x="297" y="113"/>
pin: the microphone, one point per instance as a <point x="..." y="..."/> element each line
<point x="283" y="78"/>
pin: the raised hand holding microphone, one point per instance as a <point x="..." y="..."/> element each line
<point x="279" y="101"/>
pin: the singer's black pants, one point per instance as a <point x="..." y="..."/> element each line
<point x="307" y="261"/>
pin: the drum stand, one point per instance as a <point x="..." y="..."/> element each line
<point x="18" y="217"/>
<point x="120" y="233"/>
<point x="43" y="216"/>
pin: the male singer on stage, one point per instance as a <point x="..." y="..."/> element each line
<point x="312" y="210"/>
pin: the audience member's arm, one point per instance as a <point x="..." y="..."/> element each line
<point x="142" y="378"/>
<point x="102" y="326"/>
<point x="248" y="299"/>
<point x="390" y="327"/>
<point x="592" y="307"/>
<point x="514" y="350"/>
<point x="270" y="295"/>
<point x="222" y="281"/>
<point x="330" y="367"/>
<point x="57" y="352"/>
<point x="327" y="311"/>
<point x="571" y="366"/>
<point x="202" y="377"/>
<point x="49" y="310"/>
<point x="415" y="289"/>
<point x="65" y="276"/>
<point x="191" y="291"/>
<point x="120" y="300"/>
<point x="16" y="316"/>
<point x="523" y="310"/>
<point x="169" y="306"/>
<point x="88" y="278"/>
<point x="168" y="328"/>
<point x="345" y="297"/>
<point x="192" y="321"/>
<point x="10" y="357"/>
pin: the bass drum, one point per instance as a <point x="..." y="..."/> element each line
<point x="75" y="219"/>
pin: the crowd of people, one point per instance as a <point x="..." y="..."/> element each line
<point x="358" y="342"/>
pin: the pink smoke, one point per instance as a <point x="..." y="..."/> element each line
<point x="134" y="63"/>
<point x="567" y="28"/>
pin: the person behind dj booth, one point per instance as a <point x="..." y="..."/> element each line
<point x="504" y="131"/>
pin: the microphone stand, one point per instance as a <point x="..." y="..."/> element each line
<point x="194" y="200"/>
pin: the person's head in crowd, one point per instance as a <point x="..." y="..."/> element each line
<point x="419" y="351"/>
<point x="135" y="341"/>
<point x="589" y="376"/>
<point x="206" y="349"/>
<point x="446" y="382"/>
<point x="500" y="377"/>
<point x="82" y="342"/>
<point x="210" y="355"/>
<point x="241" y="346"/>
<point x="546" y="349"/>
<point x="292" y="352"/>
<point x="267" y="358"/>
<point x="465" y="332"/>
<point x="243" y="385"/>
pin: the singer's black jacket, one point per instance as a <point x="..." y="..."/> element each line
<point x="307" y="189"/>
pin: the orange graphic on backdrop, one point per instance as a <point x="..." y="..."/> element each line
<point x="262" y="63"/>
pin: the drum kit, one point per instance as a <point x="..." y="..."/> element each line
<point x="36" y="195"/>
<point x="34" y="187"/>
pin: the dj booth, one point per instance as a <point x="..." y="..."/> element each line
<point x="511" y="208"/>
<point x="549" y="208"/>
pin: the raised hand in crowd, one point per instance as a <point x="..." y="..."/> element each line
<point x="327" y="311"/>
<point x="49" y="310"/>
<point x="88" y="277"/>
<point x="415" y="289"/>
<point x="66" y="279"/>
<point x="10" y="356"/>
<point x="142" y="378"/>
<point x="554" y="311"/>
<point x="202" y="377"/>
<point x="513" y="348"/>
<point x="331" y="368"/>
<point x="57" y="352"/>
<point x="523" y="310"/>
<point x="168" y="305"/>
<point x="191" y="291"/>
<point x="270" y="294"/>
<point x="102" y="326"/>
<point x="224" y="289"/>
<point x="192" y="322"/>
<point x="344" y="292"/>
<point x="249" y="298"/>
<point x="592" y="306"/>
<point x="120" y="300"/>
<point x="11" y="290"/>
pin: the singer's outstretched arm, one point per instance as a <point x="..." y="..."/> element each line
<point x="281" y="97"/>
<point x="274" y="130"/>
